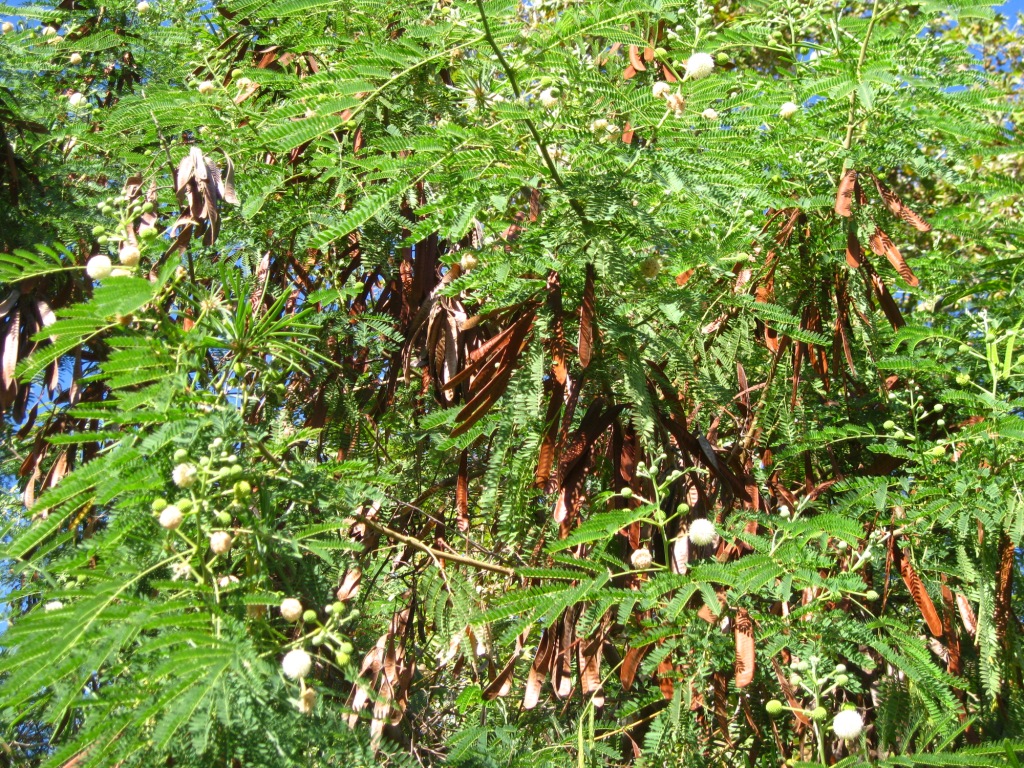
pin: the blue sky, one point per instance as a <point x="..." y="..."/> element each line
<point x="1013" y="7"/>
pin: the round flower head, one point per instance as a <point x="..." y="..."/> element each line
<point x="676" y="103"/>
<point x="75" y="58"/>
<point x="641" y="558"/>
<point x="129" y="255"/>
<point x="7" y="27"/>
<point x="243" y="82"/>
<point x="307" y="700"/>
<point x="548" y="98"/>
<point x="170" y="517"/>
<point x="709" y="114"/>
<point x="661" y="89"/>
<point x="98" y="267"/>
<point x="773" y="707"/>
<point x="788" y="109"/>
<point x="702" y="532"/>
<point x="699" y="65"/>
<point x="599" y="125"/>
<point x="468" y="262"/>
<point x="77" y="100"/>
<point x="53" y="605"/>
<point x="180" y="571"/>
<point x="227" y="581"/>
<point x="206" y="87"/>
<point x="184" y="475"/>
<point x="296" y="664"/>
<point x="848" y="724"/>
<point x="220" y="542"/>
<point x="291" y="609"/>
<point x="49" y="31"/>
<point x="142" y="8"/>
<point x="650" y="267"/>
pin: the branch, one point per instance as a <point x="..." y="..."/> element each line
<point x="436" y="553"/>
<point x="851" y="122"/>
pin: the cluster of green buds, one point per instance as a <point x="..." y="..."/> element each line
<point x="327" y="632"/>
<point x="816" y="683"/>
<point x="215" y="492"/>
<point x="911" y="401"/>
<point x="124" y="212"/>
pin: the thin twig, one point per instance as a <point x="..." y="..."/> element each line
<point x="436" y="553"/>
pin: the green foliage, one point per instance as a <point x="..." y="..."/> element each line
<point x="572" y="386"/>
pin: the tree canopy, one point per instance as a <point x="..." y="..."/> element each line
<point x="483" y="383"/>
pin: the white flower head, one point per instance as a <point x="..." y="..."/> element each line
<point x="848" y="724"/>
<point x="702" y="532"/>
<point x="49" y="31"/>
<point x="699" y="65"/>
<point x="788" y="109"/>
<point x="220" y="542"/>
<point x="7" y="27"/>
<point x="205" y="87"/>
<point x="53" y="605"/>
<point x="599" y="125"/>
<point x="548" y="98"/>
<point x="180" y="571"/>
<point x="184" y="475"/>
<point x="75" y="58"/>
<point x="468" y="262"/>
<point x="142" y="8"/>
<point x="709" y="114"/>
<point x="661" y="89"/>
<point x="641" y="558"/>
<point x="170" y="517"/>
<point x="78" y="100"/>
<point x="227" y="581"/>
<point x="243" y="82"/>
<point x="129" y="255"/>
<point x="676" y="103"/>
<point x="291" y="609"/>
<point x="98" y="267"/>
<point x="307" y="700"/>
<point x="296" y="664"/>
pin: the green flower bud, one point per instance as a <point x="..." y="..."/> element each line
<point x="345" y="646"/>
<point x="309" y="616"/>
<point x="842" y="679"/>
<point x="339" y="607"/>
<point x="871" y="595"/>
<point x="890" y="424"/>
<point x="180" y="455"/>
<point x="224" y="518"/>
<point x="774" y="707"/>
<point x="940" y="422"/>
<point x="342" y="658"/>
<point x="626" y="493"/>
<point x="818" y="713"/>
<point x="159" y="504"/>
<point x="242" y="489"/>
<point x="98" y="230"/>
<point x="184" y="504"/>
<point x="840" y="668"/>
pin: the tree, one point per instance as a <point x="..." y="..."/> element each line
<point x="476" y="383"/>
